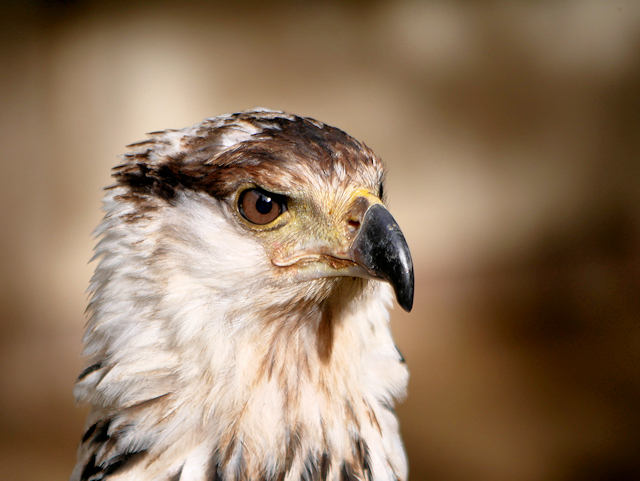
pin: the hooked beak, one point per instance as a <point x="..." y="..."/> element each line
<point x="381" y="249"/>
<point x="378" y="250"/>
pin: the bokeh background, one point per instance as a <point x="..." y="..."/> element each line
<point x="511" y="131"/>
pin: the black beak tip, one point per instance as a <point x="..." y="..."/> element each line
<point x="401" y="277"/>
<point x="404" y="295"/>
<point x="383" y="251"/>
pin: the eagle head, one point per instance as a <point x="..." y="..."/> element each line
<point x="238" y="325"/>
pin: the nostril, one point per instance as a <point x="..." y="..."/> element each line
<point x="354" y="224"/>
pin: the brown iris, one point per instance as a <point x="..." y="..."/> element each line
<point x="260" y="207"/>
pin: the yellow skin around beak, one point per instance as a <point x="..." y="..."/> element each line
<point x="324" y="246"/>
<point x="339" y="233"/>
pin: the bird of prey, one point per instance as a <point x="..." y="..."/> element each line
<point x="238" y="323"/>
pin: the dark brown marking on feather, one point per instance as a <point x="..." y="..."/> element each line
<point x="359" y="466"/>
<point x="90" y="469"/>
<point x="147" y="403"/>
<point x="267" y="364"/>
<point x="228" y="452"/>
<point x="232" y="446"/>
<point x="311" y="469"/>
<point x="270" y="360"/>
<point x="140" y="143"/>
<point x="363" y="458"/>
<point x="214" y="472"/>
<point x="89" y="370"/>
<point x="101" y="471"/>
<point x="293" y="445"/>
<point x="121" y="461"/>
<point x="89" y="432"/>
<point x="351" y="415"/>
<point x="159" y="132"/>
<point x="110" y="461"/>
<point x="325" y="333"/>
<point x="325" y="464"/>
<point x="102" y="366"/>
<point x="388" y="407"/>
<point x="281" y="329"/>
<point x="393" y="468"/>
<point x="275" y="156"/>
<point x="101" y="432"/>
<point x="372" y="416"/>
<point x="304" y="365"/>
<point x="322" y="143"/>
<point x="104" y="371"/>
<point x="374" y="421"/>
<point x="161" y="180"/>
<point x="346" y="473"/>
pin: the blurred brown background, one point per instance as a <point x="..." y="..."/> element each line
<point x="512" y="136"/>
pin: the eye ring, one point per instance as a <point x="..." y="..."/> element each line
<point x="260" y="207"/>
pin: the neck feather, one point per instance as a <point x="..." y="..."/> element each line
<point x="215" y="377"/>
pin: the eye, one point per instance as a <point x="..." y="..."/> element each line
<point x="260" y="207"/>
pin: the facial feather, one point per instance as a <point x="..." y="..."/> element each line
<point x="205" y="358"/>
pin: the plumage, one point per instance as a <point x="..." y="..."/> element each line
<point x="230" y="341"/>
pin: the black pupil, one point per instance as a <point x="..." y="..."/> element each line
<point x="264" y="204"/>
